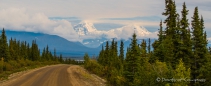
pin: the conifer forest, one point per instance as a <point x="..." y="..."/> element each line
<point x="179" y="57"/>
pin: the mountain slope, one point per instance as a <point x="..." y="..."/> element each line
<point x="93" y="37"/>
<point x="61" y="45"/>
<point x="85" y="28"/>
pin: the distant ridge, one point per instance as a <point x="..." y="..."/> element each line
<point x="62" y="46"/>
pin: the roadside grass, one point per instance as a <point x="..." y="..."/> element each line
<point x="84" y="73"/>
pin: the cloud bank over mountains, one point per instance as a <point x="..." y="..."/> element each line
<point x="20" y="20"/>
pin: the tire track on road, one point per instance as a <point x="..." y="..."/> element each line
<point x="57" y="75"/>
<point x="40" y="80"/>
<point x="27" y="77"/>
<point x="63" y="78"/>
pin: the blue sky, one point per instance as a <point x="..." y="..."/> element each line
<point x="33" y="15"/>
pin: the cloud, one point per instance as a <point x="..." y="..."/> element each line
<point x="88" y="9"/>
<point x="96" y="9"/>
<point x="124" y="32"/>
<point x="20" y="20"/>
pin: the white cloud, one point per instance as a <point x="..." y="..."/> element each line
<point x="126" y="32"/>
<point x="95" y="9"/>
<point x="20" y="20"/>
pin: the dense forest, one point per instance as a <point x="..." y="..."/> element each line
<point x="180" y="56"/>
<point x="18" y="55"/>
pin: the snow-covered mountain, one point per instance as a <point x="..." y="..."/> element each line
<point x="84" y="28"/>
<point x="93" y="37"/>
<point x="126" y="32"/>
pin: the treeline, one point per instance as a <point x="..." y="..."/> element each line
<point x="73" y="61"/>
<point x="18" y="55"/>
<point x="180" y="56"/>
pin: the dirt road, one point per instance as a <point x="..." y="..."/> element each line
<point x="57" y="75"/>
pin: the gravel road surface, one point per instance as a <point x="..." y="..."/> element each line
<point x="57" y="75"/>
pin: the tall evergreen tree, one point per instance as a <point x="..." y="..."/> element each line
<point x="121" y="51"/>
<point x="204" y="32"/>
<point x="132" y="63"/>
<point x="23" y="51"/>
<point x="43" y="54"/>
<point x="4" y="50"/>
<point x="171" y="18"/>
<point x="11" y="49"/>
<point x="149" y="46"/>
<point x="101" y="56"/>
<point x="158" y="53"/>
<point x="28" y="51"/>
<point x="35" y="54"/>
<point x="186" y="46"/>
<point x="161" y="34"/>
<point x="61" y="58"/>
<point x="106" y="55"/>
<point x="171" y="41"/>
<point x="114" y="60"/>
<point x="199" y="46"/>
<point x="54" y="55"/>
<point x="47" y="52"/>
<point x="143" y="49"/>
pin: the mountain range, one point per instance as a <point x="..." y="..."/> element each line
<point x="62" y="46"/>
<point x="92" y="38"/>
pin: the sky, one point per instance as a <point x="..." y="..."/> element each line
<point x="33" y="15"/>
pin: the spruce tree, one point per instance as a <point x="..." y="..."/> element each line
<point x="54" y="54"/>
<point x="186" y="46"/>
<point x="121" y="51"/>
<point x="43" y="57"/>
<point x="23" y="51"/>
<point x="158" y="53"/>
<point x="171" y="39"/>
<point x="149" y="46"/>
<point x="11" y="49"/>
<point x="4" y="50"/>
<point x="106" y="55"/>
<point x="113" y="58"/>
<point x="143" y="49"/>
<point x="161" y="34"/>
<point x="205" y="72"/>
<point x="101" y="56"/>
<point x="35" y="54"/>
<point x="132" y="63"/>
<point x="171" y="18"/>
<point x="25" y="45"/>
<point x="47" y="52"/>
<point x="28" y="51"/>
<point x="199" y="46"/>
